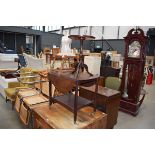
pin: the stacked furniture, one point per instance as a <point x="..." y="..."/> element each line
<point x="26" y="80"/>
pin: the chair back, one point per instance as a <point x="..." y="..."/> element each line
<point x="27" y="76"/>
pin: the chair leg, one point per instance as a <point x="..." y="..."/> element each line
<point x="6" y="99"/>
<point x="13" y="104"/>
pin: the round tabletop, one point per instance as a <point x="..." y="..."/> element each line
<point x="83" y="37"/>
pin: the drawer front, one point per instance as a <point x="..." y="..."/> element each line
<point x="39" y="123"/>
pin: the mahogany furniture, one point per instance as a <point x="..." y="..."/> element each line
<point x="58" y="117"/>
<point x="66" y="82"/>
<point x="133" y="71"/>
<point x="107" y="98"/>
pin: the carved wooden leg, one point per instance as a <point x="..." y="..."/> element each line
<point x="86" y="68"/>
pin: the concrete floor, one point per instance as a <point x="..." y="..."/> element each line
<point x="146" y="116"/>
<point x="9" y="119"/>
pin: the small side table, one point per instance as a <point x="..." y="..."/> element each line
<point x="65" y="82"/>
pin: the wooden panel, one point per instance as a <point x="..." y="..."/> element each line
<point x="58" y="117"/>
<point x="24" y="114"/>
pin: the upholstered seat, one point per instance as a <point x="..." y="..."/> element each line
<point x="10" y="93"/>
<point x="113" y="83"/>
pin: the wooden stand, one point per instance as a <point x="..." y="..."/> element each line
<point x="58" y="117"/>
<point x="81" y="65"/>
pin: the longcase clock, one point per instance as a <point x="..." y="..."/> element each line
<point x="133" y="71"/>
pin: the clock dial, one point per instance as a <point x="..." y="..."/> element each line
<point x="134" y="49"/>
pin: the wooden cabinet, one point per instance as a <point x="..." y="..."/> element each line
<point x="109" y="100"/>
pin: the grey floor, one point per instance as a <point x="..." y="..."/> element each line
<point x="9" y="118"/>
<point x="146" y="116"/>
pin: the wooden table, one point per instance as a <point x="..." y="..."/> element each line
<point x="108" y="98"/>
<point x="65" y="83"/>
<point x="58" y="117"/>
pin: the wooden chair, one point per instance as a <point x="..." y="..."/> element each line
<point x="26" y="80"/>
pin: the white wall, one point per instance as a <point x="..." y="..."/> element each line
<point x="108" y="32"/>
<point x="83" y="30"/>
<point x="74" y="31"/>
<point x="124" y="30"/>
<point x="96" y="31"/>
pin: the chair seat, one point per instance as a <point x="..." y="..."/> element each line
<point x="11" y="93"/>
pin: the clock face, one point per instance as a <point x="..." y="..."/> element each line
<point x="134" y="49"/>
